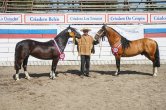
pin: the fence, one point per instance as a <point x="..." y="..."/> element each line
<point x="63" y="6"/>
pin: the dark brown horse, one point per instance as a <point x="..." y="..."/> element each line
<point x="122" y="47"/>
<point x="52" y="49"/>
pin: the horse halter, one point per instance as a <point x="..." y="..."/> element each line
<point x="98" y="35"/>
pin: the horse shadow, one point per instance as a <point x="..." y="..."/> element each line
<point x="34" y="75"/>
<point x="38" y="75"/>
<point x="77" y="72"/>
<point x="127" y="72"/>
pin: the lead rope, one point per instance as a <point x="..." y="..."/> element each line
<point x="73" y="45"/>
<point x="100" y="45"/>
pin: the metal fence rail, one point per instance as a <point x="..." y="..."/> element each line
<point x="51" y="6"/>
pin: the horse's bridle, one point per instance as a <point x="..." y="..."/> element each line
<point x="98" y="35"/>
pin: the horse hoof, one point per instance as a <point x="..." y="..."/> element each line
<point x="17" y="79"/>
<point x="116" y="74"/>
<point x="28" y="78"/>
<point x="154" y="75"/>
<point x="51" y="77"/>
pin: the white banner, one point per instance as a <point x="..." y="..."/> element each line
<point x="86" y="18"/>
<point x="44" y="18"/>
<point x="127" y="18"/>
<point x="12" y="18"/>
<point x="158" y="18"/>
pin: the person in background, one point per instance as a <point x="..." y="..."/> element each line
<point x="85" y="48"/>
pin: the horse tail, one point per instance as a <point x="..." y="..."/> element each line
<point x="16" y="55"/>
<point x="157" y="57"/>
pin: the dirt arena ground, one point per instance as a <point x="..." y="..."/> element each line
<point x="133" y="89"/>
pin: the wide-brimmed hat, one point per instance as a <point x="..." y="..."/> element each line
<point x="85" y="29"/>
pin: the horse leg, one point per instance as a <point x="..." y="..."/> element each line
<point x="155" y="66"/>
<point x="156" y="62"/>
<point x="117" y="66"/>
<point x="25" y="67"/>
<point x="53" y="69"/>
<point x="17" y="68"/>
<point x="152" y="58"/>
<point x="155" y="71"/>
<point x="17" y="75"/>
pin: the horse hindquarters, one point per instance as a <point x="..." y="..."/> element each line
<point x="21" y="54"/>
<point x="152" y="53"/>
<point x="17" y="62"/>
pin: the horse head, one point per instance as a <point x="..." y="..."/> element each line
<point x="73" y="32"/>
<point x="101" y="33"/>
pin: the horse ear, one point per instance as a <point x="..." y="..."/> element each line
<point x="69" y="26"/>
<point x="104" y="25"/>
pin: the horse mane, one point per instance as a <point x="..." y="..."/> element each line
<point x="125" y="42"/>
<point x="62" y="33"/>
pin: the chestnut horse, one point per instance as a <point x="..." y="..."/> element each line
<point x="52" y="49"/>
<point x="122" y="47"/>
